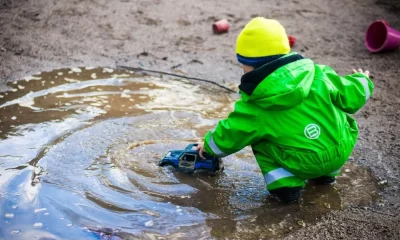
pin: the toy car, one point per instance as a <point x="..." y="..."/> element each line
<point x="189" y="160"/>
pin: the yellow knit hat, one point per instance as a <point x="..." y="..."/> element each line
<point x="262" y="37"/>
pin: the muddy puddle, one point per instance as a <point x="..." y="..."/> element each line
<point x="79" y="150"/>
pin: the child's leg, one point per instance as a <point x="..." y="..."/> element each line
<point x="328" y="179"/>
<point x="280" y="182"/>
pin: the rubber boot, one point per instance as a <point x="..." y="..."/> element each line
<point x="324" y="180"/>
<point x="286" y="194"/>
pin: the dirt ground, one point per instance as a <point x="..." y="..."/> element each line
<point x="41" y="35"/>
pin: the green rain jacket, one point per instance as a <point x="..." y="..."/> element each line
<point x="294" y="114"/>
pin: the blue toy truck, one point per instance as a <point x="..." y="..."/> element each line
<point x="189" y="160"/>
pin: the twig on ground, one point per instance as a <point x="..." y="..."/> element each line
<point x="175" y="75"/>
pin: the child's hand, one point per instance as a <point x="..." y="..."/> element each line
<point x="200" y="148"/>
<point x="366" y="72"/>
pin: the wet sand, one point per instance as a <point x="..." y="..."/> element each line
<point x="40" y="36"/>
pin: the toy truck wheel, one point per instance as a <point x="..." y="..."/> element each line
<point x="220" y="166"/>
<point x="219" y="169"/>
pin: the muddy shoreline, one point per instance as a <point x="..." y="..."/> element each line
<point x="43" y="35"/>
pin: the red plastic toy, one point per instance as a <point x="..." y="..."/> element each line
<point x="292" y="40"/>
<point x="221" y="26"/>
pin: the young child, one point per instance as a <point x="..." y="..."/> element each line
<point x="293" y="112"/>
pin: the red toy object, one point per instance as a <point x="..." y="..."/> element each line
<point x="292" y="40"/>
<point x="221" y="26"/>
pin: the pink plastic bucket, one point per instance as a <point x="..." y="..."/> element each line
<point x="380" y="37"/>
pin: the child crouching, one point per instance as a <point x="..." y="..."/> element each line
<point x="293" y="112"/>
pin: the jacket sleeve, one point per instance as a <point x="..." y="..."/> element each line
<point x="350" y="92"/>
<point x="239" y="130"/>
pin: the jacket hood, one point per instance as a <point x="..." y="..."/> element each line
<point x="281" y="84"/>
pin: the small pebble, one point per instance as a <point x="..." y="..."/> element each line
<point x="382" y="182"/>
<point x="15" y="231"/>
<point x="327" y="205"/>
<point x="9" y="215"/>
<point x="301" y="223"/>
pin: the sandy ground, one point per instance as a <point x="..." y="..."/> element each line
<point x="41" y="35"/>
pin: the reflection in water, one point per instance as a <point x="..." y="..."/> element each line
<point x="78" y="160"/>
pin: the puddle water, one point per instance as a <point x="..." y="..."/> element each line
<point x="78" y="160"/>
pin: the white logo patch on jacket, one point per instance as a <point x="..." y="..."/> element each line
<point x="312" y="131"/>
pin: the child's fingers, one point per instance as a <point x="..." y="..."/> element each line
<point x="200" y="148"/>
<point x="354" y="71"/>
<point x="366" y="73"/>
<point x="201" y="153"/>
<point x="360" y="70"/>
